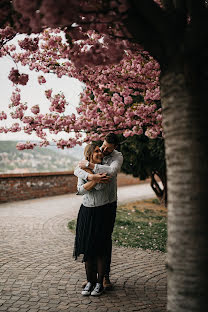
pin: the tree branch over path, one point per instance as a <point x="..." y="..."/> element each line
<point x="195" y="8"/>
<point x="151" y="12"/>
<point x="196" y="39"/>
<point x="162" y="31"/>
<point x="168" y="5"/>
<point x="156" y="29"/>
<point x="180" y="4"/>
<point x="144" y="32"/>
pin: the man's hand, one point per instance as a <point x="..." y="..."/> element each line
<point x="99" y="178"/>
<point x="82" y="163"/>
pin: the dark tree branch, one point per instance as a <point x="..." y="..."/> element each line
<point x="153" y="15"/>
<point x="157" y="29"/>
<point x="198" y="14"/>
<point x="195" y="8"/>
<point x="155" y="186"/>
<point x="178" y="16"/>
<point x="160" y="193"/>
<point x="168" y="5"/>
<point x="197" y="32"/>
<point x="180" y="4"/>
<point x="144" y="34"/>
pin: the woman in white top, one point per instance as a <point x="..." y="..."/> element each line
<point x="93" y="230"/>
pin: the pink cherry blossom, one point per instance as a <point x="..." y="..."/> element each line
<point x="7" y="33"/>
<point x="18" y="78"/>
<point x="41" y="79"/>
<point x="35" y="109"/>
<point x="48" y="93"/>
<point x="123" y="97"/>
<point x="15" y="127"/>
<point x="27" y="145"/>
<point x="3" y="115"/>
<point x="30" y="44"/>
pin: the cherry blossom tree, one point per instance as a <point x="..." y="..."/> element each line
<point x="123" y="97"/>
<point x="175" y="34"/>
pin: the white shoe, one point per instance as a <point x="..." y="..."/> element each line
<point x="98" y="290"/>
<point x="87" y="290"/>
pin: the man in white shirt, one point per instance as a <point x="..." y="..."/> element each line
<point x="112" y="163"/>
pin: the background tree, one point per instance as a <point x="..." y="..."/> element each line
<point x="145" y="158"/>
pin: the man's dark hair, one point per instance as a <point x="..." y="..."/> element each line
<point x="112" y="138"/>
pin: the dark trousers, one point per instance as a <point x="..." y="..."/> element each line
<point x="113" y="207"/>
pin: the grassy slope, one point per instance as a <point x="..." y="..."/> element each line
<point x="141" y="224"/>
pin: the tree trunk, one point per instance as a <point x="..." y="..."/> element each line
<point x="185" y="111"/>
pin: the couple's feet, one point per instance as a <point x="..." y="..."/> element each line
<point x="106" y="283"/>
<point x="93" y="290"/>
<point x="96" y="289"/>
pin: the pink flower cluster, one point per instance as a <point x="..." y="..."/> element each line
<point x="37" y="14"/>
<point x="30" y="44"/>
<point x="3" y="115"/>
<point x="98" y="15"/>
<point x="18" y="78"/>
<point x="35" y="109"/>
<point x="18" y="113"/>
<point x="122" y="97"/>
<point x="3" y="130"/>
<point x="67" y="143"/>
<point x="27" y="145"/>
<point x="7" y="33"/>
<point x="41" y="79"/>
<point x="15" y="97"/>
<point x="44" y="143"/>
<point x="15" y="127"/>
<point x="58" y="102"/>
<point x="94" y="52"/>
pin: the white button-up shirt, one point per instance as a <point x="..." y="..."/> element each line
<point x="102" y="193"/>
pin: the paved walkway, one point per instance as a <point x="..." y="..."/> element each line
<point x="38" y="273"/>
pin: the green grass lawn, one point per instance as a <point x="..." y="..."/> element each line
<point x="141" y="224"/>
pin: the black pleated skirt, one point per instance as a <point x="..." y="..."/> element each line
<point x="93" y="231"/>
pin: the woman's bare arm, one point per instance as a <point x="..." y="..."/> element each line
<point x="91" y="184"/>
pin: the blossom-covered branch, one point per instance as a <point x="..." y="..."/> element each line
<point x="122" y="97"/>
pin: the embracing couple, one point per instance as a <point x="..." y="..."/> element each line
<point x="97" y="182"/>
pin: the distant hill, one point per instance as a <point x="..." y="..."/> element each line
<point x="76" y="152"/>
<point x="42" y="159"/>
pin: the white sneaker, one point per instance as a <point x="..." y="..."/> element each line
<point x="98" y="290"/>
<point x="87" y="290"/>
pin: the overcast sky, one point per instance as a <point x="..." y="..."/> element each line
<point x="33" y="93"/>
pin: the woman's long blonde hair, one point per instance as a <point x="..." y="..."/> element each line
<point x="89" y="149"/>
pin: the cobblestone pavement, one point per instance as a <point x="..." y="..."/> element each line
<point x="38" y="273"/>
